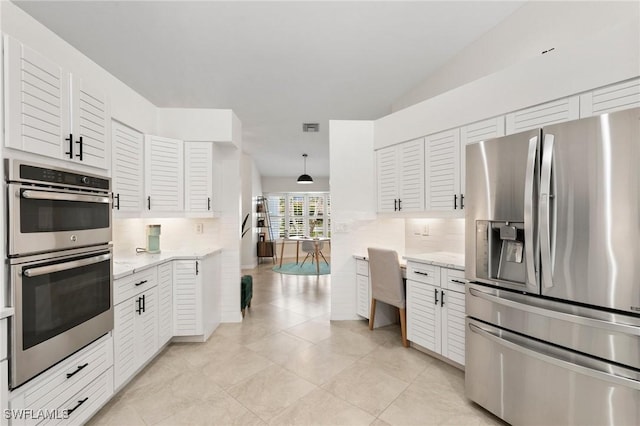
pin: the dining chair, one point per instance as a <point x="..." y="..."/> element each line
<point x="309" y="247"/>
<point x="387" y="285"/>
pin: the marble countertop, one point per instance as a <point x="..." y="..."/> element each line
<point x="439" y="258"/>
<point x="126" y="263"/>
<point x="6" y="312"/>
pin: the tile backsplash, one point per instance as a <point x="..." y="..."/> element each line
<point x="176" y="234"/>
<point x="430" y="235"/>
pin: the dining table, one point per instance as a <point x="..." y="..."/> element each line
<point x="297" y="240"/>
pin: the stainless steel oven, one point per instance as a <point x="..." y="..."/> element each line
<point x="63" y="302"/>
<point x="55" y="209"/>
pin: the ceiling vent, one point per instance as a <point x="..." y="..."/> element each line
<point x="310" y="127"/>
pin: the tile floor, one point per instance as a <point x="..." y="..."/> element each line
<point x="287" y="364"/>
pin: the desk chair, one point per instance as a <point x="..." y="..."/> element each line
<point x="309" y="247"/>
<point x="387" y="285"/>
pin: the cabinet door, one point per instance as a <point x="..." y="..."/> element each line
<point x="453" y="327"/>
<point x="615" y="97"/>
<point x="542" y="115"/>
<point x="89" y="119"/>
<point x="198" y="157"/>
<point x="443" y="170"/>
<point x="410" y="170"/>
<point x="363" y="296"/>
<point x="127" y="168"/>
<point x="474" y="133"/>
<point x="423" y="315"/>
<point x="37" y="102"/>
<point x="187" y="295"/>
<point x="124" y="341"/>
<point x="165" y="303"/>
<point x="387" y="175"/>
<point x="164" y="177"/>
<point x="147" y="325"/>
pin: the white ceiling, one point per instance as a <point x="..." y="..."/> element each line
<point x="276" y="64"/>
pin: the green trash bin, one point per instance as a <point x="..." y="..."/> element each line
<point x="246" y="292"/>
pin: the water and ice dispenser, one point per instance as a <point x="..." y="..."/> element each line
<point x="500" y="251"/>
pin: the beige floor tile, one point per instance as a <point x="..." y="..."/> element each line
<point x="312" y="331"/>
<point x="245" y="333"/>
<point x="322" y="408"/>
<point x="345" y="342"/>
<point x="116" y="414"/>
<point x="235" y="368"/>
<point x="270" y="391"/>
<point x="403" y="363"/>
<point x="318" y="365"/>
<point x="222" y="410"/>
<point x="278" y="347"/>
<point x="366" y="387"/>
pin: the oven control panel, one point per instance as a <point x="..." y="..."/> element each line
<point x="61" y="177"/>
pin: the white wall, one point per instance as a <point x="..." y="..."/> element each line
<point x="251" y="189"/>
<point x="288" y="184"/>
<point x="533" y="28"/>
<point x="441" y="235"/>
<point x="355" y="225"/>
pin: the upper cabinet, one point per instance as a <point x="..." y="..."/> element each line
<point x="198" y="179"/>
<point x="50" y="112"/>
<point x="164" y="176"/>
<point x="611" y="98"/>
<point x="127" y="167"/>
<point x="400" y="171"/>
<point x="443" y="171"/>
<point x="544" y="114"/>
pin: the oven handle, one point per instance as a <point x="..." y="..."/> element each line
<point x="42" y="270"/>
<point x="59" y="196"/>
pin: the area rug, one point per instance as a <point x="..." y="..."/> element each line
<point x="306" y="269"/>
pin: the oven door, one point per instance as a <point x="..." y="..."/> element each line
<point x="61" y="305"/>
<point x="45" y="219"/>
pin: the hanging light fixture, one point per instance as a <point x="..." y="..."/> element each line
<point x="305" y="178"/>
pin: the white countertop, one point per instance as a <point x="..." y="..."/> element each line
<point x="6" y="312"/>
<point x="126" y="263"/>
<point x="439" y="258"/>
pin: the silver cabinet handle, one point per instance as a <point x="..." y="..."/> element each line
<point x="61" y="196"/>
<point x="49" y="269"/>
<point x="545" y="211"/>
<point x="529" y="189"/>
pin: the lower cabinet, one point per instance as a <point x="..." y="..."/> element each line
<point x="436" y="310"/>
<point x="70" y="392"/>
<point x="135" y="333"/>
<point x="165" y="303"/>
<point x="362" y="287"/>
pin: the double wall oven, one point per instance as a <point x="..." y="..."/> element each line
<point x="60" y="264"/>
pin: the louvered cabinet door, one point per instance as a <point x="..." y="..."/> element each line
<point x="147" y="326"/>
<point x="124" y="341"/>
<point x="453" y="326"/>
<point x="411" y="176"/>
<point x="37" y="102"/>
<point x="442" y="159"/>
<point x="164" y="178"/>
<point x="363" y="296"/>
<point x="423" y="315"/>
<point x="474" y="133"/>
<point x="127" y="168"/>
<point x="187" y="295"/>
<point x="616" y="97"/>
<point x="165" y="303"/>
<point x="387" y="176"/>
<point x="565" y="109"/>
<point x="198" y="163"/>
<point x="90" y="115"/>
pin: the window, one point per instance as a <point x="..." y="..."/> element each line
<point x="299" y="214"/>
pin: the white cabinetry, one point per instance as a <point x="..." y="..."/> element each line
<point x="443" y="170"/>
<point x="611" y="98"/>
<point x="135" y="331"/>
<point x="164" y="175"/>
<point x="165" y="303"/>
<point x="363" y="298"/>
<point x="196" y="297"/>
<point x="50" y="112"/>
<point x="198" y="179"/>
<point x="127" y="167"/>
<point x="76" y="387"/>
<point x="436" y="309"/>
<point x="565" y="109"/>
<point x="400" y="173"/>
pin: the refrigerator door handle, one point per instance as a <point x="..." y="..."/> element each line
<point x="545" y="211"/>
<point x="530" y="245"/>
<point x="563" y="358"/>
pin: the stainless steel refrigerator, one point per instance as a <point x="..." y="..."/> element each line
<point x="553" y="264"/>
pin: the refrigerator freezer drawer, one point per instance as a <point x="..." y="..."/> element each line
<point x="614" y="337"/>
<point x="533" y="383"/>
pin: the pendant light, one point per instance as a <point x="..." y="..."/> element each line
<point x="305" y="178"/>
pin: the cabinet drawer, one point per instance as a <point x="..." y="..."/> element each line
<point x="131" y="285"/>
<point x="423" y="273"/>
<point x="453" y="279"/>
<point x="362" y="267"/>
<point x="51" y="389"/>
